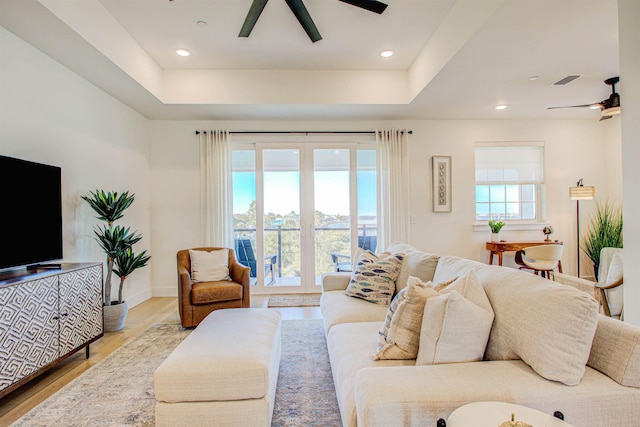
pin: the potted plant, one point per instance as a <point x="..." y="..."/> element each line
<point x="604" y="231"/>
<point x="116" y="242"/>
<point x="547" y="231"/>
<point x="495" y="227"/>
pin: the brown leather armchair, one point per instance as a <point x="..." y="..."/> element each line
<point x="197" y="300"/>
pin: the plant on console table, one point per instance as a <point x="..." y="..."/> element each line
<point x="116" y="241"/>
<point x="495" y="227"/>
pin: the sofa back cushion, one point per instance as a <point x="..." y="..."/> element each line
<point x="549" y="326"/>
<point x="616" y="351"/>
<point x="450" y="267"/>
<point x="416" y="264"/>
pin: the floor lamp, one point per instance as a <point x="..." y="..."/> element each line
<point x="577" y="193"/>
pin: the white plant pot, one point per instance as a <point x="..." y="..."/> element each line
<point x="115" y="316"/>
<point x="495" y="237"/>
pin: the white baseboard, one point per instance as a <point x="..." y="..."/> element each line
<point x="165" y="292"/>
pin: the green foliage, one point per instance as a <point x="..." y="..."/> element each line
<point x="109" y="206"/>
<point x="126" y="262"/>
<point x="604" y="231"/>
<point x="495" y="226"/>
<point x="115" y="241"/>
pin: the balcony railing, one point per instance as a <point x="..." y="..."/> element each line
<point x="363" y="232"/>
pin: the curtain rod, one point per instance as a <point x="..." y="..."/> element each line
<point x="306" y="132"/>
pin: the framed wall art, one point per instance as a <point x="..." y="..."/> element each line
<point x="441" y="167"/>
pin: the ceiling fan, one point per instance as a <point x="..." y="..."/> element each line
<point x="300" y="11"/>
<point x="609" y="107"/>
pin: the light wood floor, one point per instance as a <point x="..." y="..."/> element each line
<point x="140" y="317"/>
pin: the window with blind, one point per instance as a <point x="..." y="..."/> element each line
<point x="509" y="181"/>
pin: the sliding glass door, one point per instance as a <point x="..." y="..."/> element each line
<point x="302" y="209"/>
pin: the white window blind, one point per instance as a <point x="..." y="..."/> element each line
<point x="509" y="181"/>
<point x="510" y="164"/>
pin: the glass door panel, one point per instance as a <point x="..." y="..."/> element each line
<point x="281" y="217"/>
<point x="367" y="200"/>
<point x="244" y="209"/>
<point x="332" y="207"/>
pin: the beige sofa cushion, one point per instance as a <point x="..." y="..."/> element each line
<point x="416" y="263"/>
<point x="374" y="278"/>
<point x="350" y="345"/>
<point x="399" y="335"/>
<point x="548" y="325"/>
<point x="456" y="324"/>
<point x="418" y="396"/>
<point x="337" y="307"/>
<point x="616" y="351"/>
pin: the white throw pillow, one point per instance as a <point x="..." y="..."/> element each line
<point x="399" y="335"/>
<point x="209" y="266"/>
<point x="374" y="278"/>
<point x="456" y="324"/>
<point x="614" y="295"/>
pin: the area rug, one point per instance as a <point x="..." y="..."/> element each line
<point x="294" y="300"/>
<point x="119" y="390"/>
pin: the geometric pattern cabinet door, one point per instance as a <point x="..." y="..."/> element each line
<point x="80" y="307"/>
<point x="28" y="328"/>
<point x="46" y="316"/>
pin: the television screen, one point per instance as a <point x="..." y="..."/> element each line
<point x="30" y="213"/>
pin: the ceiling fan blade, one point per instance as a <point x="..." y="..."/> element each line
<point x="301" y="12"/>
<point x="252" y="17"/>
<point x="370" y="5"/>
<point x="604" y="118"/>
<point x="576" y="106"/>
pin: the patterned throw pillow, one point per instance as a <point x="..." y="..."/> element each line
<point x="399" y="335"/>
<point x="374" y="278"/>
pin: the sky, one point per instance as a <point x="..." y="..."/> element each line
<point x="281" y="192"/>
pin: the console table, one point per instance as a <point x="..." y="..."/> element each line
<point x="46" y="316"/>
<point x="498" y="248"/>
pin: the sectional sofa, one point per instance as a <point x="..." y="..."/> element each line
<point x="548" y="348"/>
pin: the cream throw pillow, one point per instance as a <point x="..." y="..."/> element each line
<point x="374" y="278"/>
<point x="456" y="323"/>
<point x="399" y="335"/>
<point x="209" y="266"/>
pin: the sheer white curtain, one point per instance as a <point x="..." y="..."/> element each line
<point x="216" y="194"/>
<point x="393" y="186"/>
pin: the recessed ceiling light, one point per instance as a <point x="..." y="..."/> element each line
<point x="533" y="78"/>
<point x="201" y="23"/>
<point x="501" y="107"/>
<point x="386" y="53"/>
<point x="183" y="52"/>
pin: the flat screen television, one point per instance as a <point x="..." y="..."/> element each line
<point x="30" y="213"/>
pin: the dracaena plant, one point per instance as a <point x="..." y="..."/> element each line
<point x="114" y="240"/>
<point x="126" y="262"/>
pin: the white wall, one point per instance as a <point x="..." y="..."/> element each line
<point x="574" y="149"/>
<point x="50" y="115"/>
<point x="629" y="32"/>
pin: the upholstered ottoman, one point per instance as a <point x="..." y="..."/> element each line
<point x="224" y="373"/>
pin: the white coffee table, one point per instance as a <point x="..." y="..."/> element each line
<point x="492" y="414"/>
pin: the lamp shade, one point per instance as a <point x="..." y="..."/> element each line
<point x="613" y="111"/>
<point x="582" y="192"/>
